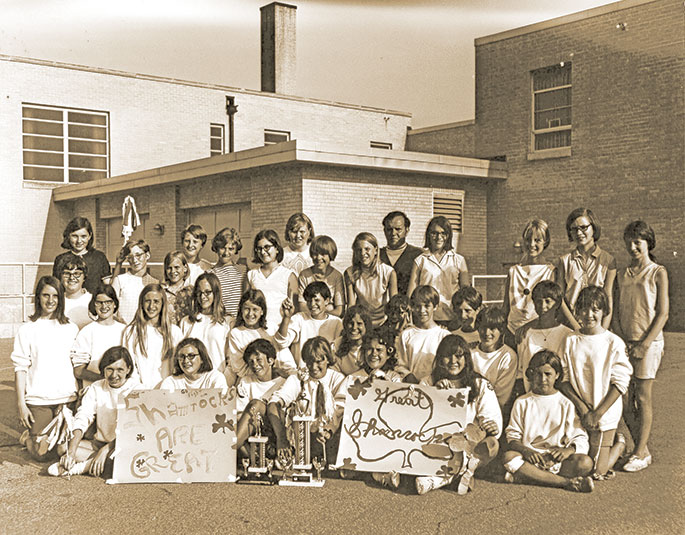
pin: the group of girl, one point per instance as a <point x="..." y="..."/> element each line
<point x="192" y="330"/>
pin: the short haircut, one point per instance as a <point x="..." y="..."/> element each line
<point x="640" y="230"/>
<point x="197" y="231"/>
<point x="468" y="295"/>
<point x="256" y="297"/>
<point x="72" y="261"/>
<point x="491" y="317"/>
<point x="225" y="237"/>
<point x="271" y="236"/>
<point x="139" y="243"/>
<point x="550" y="289"/>
<point x="443" y="222"/>
<point x="592" y="296"/>
<point x="206" y="365"/>
<point x="583" y="212"/>
<point x="540" y="359"/>
<point x="49" y="280"/>
<point x="103" y="289"/>
<point x="425" y="294"/>
<point x="540" y="226"/>
<point x="75" y="224"/>
<point x="114" y="354"/>
<point x="316" y="348"/>
<point x="314" y="288"/>
<point x="298" y="218"/>
<point x="392" y="215"/>
<point x="260" y="345"/>
<point x="175" y="255"/>
<point x="323" y="245"/>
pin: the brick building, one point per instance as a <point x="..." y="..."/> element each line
<point x="586" y="110"/>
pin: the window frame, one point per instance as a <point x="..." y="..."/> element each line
<point x="212" y="137"/>
<point x="66" y="137"/>
<point x="553" y="152"/>
<point x="380" y="145"/>
<point x="269" y="131"/>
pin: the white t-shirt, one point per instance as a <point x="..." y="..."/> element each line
<point x="416" y="350"/>
<point x="238" y="340"/>
<point x="210" y="379"/>
<point x="249" y="388"/>
<point x="76" y="309"/>
<point x="499" y="367"/>
<point x="213" y="336"/>
<point x="302" y="327"/>
<point x="151" y="369"/>
<point x="551" y="339"/>
<point x="91" y="343"/>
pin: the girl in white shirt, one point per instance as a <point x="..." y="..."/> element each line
<point x="206" y="319"/>
<point x="192" y="368"/>
<point x="151" y="337"/>
<point x="43" y="373"/>
<point x="98" y="336"/>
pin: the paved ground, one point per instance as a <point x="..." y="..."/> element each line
<point x="646" y="502"/>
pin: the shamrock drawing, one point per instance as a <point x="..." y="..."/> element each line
<point x="348" y="464"/>
<point x="140" y="437"/>
<point x="140" y="463"/>
<point x="445" y="471"/>
<point x="457" y="400"/>
<point x="222" y="424"/>
<point x="358" y="388"/>
<point x="167" y="454"/>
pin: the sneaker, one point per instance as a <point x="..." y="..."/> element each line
<point x="604" y="477"/>
<point x="508" y="477"/>
<point x="56" y="469"/>
<point x="24" y="437"/>
<point x="581" y="484"/>
<point x="467" y="481"/>
<point x="635" y="463"/>
<point x="425" y="484"/>
<point x="387" y="479"/>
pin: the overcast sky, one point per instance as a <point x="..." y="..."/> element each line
<point x="413" y="56"/>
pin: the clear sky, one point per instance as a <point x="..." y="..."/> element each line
<point x="413" y="56"/>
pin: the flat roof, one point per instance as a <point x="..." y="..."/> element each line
<point x="284" y="153"/>
<point x="203" y="85"/>
<point x="558" y="21"/>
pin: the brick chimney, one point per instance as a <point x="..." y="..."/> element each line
<point x="278" y="48"/>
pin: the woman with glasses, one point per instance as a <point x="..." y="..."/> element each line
<point x="587" y="265"/>
<point x="206" y="319"/>
<point x="78" y="240"/>
<point x="441" y="267"/>
<point x="192" y="368"/>
<point x="273" y="279"/>
<point x="95" y="338"/>
<point x="72" y="272"/>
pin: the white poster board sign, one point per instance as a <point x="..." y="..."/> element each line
<point x="411" y="429"/>
<point x="176" y="437"/>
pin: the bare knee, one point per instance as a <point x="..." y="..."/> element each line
<point x="583" y="464"/>
<point x="255" y="404"/>
<point x="509" y="456"/>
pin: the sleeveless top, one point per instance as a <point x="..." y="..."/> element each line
<point x="522" y="280"/>
<point x="638" y="299"/>
<point x="275" y="289"/>
<point x="372" y="291"/>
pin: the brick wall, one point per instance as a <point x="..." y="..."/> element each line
<point x="455" y="140"/>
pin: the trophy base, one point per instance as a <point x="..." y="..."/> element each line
<point x="258" y="478"/>
<point x="302" y="479"/>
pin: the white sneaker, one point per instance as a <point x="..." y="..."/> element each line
<point x="635" y="463"/>
<point x="466" y="481"/>
<point x="425" y="484"/>
<point x="56" y="469"/>
<point x="388" y="479"/>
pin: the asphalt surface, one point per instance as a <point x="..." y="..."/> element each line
<point x="646" y="502"/>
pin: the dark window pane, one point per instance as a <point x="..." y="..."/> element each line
<point x="89" y="162"/>
<point x="216" y="131"/>
<point x="553" y="118"/>
<point x="43" y="143"/>
<point x="88" y="118"/>
<point x="89" y="147"/>
<point x="41" y="113"/>
<point x="43" y="158"/>
<point x="553" y="140"/>
<point x="43" y="173"/>
<point x="553" y="99"/>
<point x="87" y="132"/>
<point x="38" y="127"/>
<point x="78" y="176"/>
<point x="276" y="137"/>
<point x="215" y="145"/>
<point x="552" y="77"/>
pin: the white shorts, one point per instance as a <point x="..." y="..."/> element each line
<point x="647" y="366"/>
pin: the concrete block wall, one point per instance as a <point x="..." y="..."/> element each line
<point x="457" y="139"/>
<point x="628" y="128"/>
<point x="343" y="203"/>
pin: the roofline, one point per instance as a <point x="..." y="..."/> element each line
<point x="558" y="21"/>
<point x="438" y="127"/>
<point x="204" y="85"/>
<point x="288" y="152"/>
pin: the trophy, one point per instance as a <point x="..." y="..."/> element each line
<point x="257" y="468"/>
<point x="300" y="439"/>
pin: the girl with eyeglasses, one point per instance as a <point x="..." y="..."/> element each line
<point x="271" y="277"/>
<point x="95" y="338"/>
<point x="441" y="267"/>
<point x="586" y="265"/>
<point x="72" y="272"/>
<point x="206" y="319"/>
<point x="192" y="368"/>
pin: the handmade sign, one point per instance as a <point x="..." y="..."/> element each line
<point x="176" y="437"/>
<point x="408" y="428"/>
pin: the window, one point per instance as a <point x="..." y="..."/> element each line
<point x="271" y="137"/>
<point x="64" y="144"/>
<point x="216" y="139"/>
<point x="552" y="107"/>
<point x="451" y="206"/>
<point x="381" y="145"/>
